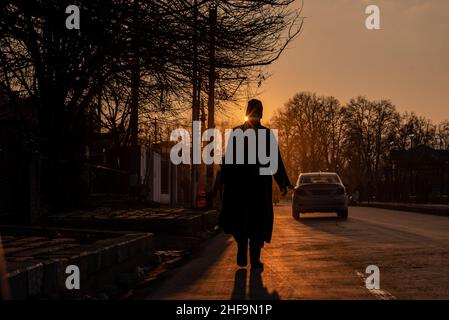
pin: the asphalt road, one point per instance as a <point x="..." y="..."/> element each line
<point x="322" y="257"/>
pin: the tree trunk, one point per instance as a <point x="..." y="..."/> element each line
<point x="211" y="101"/>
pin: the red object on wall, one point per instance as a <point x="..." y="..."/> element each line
<point x="201" y="198"/>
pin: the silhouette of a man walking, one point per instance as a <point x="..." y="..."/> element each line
<point x="247" y="207"/>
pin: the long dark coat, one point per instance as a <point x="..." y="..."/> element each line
<point x="247" y="207"/>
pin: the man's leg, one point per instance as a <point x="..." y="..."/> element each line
<point x="242" y="250"/>
<point x="255" y="248"/>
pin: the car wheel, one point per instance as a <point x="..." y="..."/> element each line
<point x="343" y="214"/>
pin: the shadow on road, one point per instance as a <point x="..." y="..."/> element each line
<point x="324" y="222"/>
<point x="239" y="291"/>
<point x="189" y="272"/>
<point x="311" y="219"/>
<point x="257" y="290"/>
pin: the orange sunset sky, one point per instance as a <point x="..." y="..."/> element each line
<point x="407" y="61"/>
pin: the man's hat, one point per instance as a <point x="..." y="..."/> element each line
<point x="254" y="109"/>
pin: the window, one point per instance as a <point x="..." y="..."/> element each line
<point x="314" y="179"/>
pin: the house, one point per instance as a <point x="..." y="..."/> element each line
<point x="420" y="174"/>
<point x="170" y="183"/>
<point x="146" y="172"/>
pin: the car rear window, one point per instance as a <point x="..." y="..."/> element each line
<point x="319" y="179"/>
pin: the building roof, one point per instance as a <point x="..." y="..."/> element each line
<point x="420" y="155"/>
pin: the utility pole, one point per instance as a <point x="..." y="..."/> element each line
<point x="135" y="80"/>
<point x="195" y="106"/>
<point x="134" y="116"/>
<point x="211" y="98"/>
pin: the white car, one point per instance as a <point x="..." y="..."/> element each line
<point x="319" y="192"/>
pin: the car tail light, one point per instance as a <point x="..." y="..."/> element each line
<point x="301" y="192"/>
<point x="340" y="191"/>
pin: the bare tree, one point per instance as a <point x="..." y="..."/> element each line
<point x="369" y="128"/>
<point x="311" y="133"/>
<point x="414" y="131"/>
<point x="131" y="62"/>
<point x="443" y="135"/>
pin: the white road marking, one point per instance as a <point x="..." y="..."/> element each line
<point x="378" y="293"/>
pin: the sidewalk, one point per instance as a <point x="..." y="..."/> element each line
<point x="173" y="228"/>
<point x="37" y="258"/>
<point x="111" y="247"/>
<point x="434" y="209"/>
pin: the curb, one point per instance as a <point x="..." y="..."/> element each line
<point x="102" y="262"/>
<point x="408" y="207"/>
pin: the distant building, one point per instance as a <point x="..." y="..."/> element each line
<point x="420" y="175"/>
<point x="170" y="183"/>
<point x="152" y="176"/>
